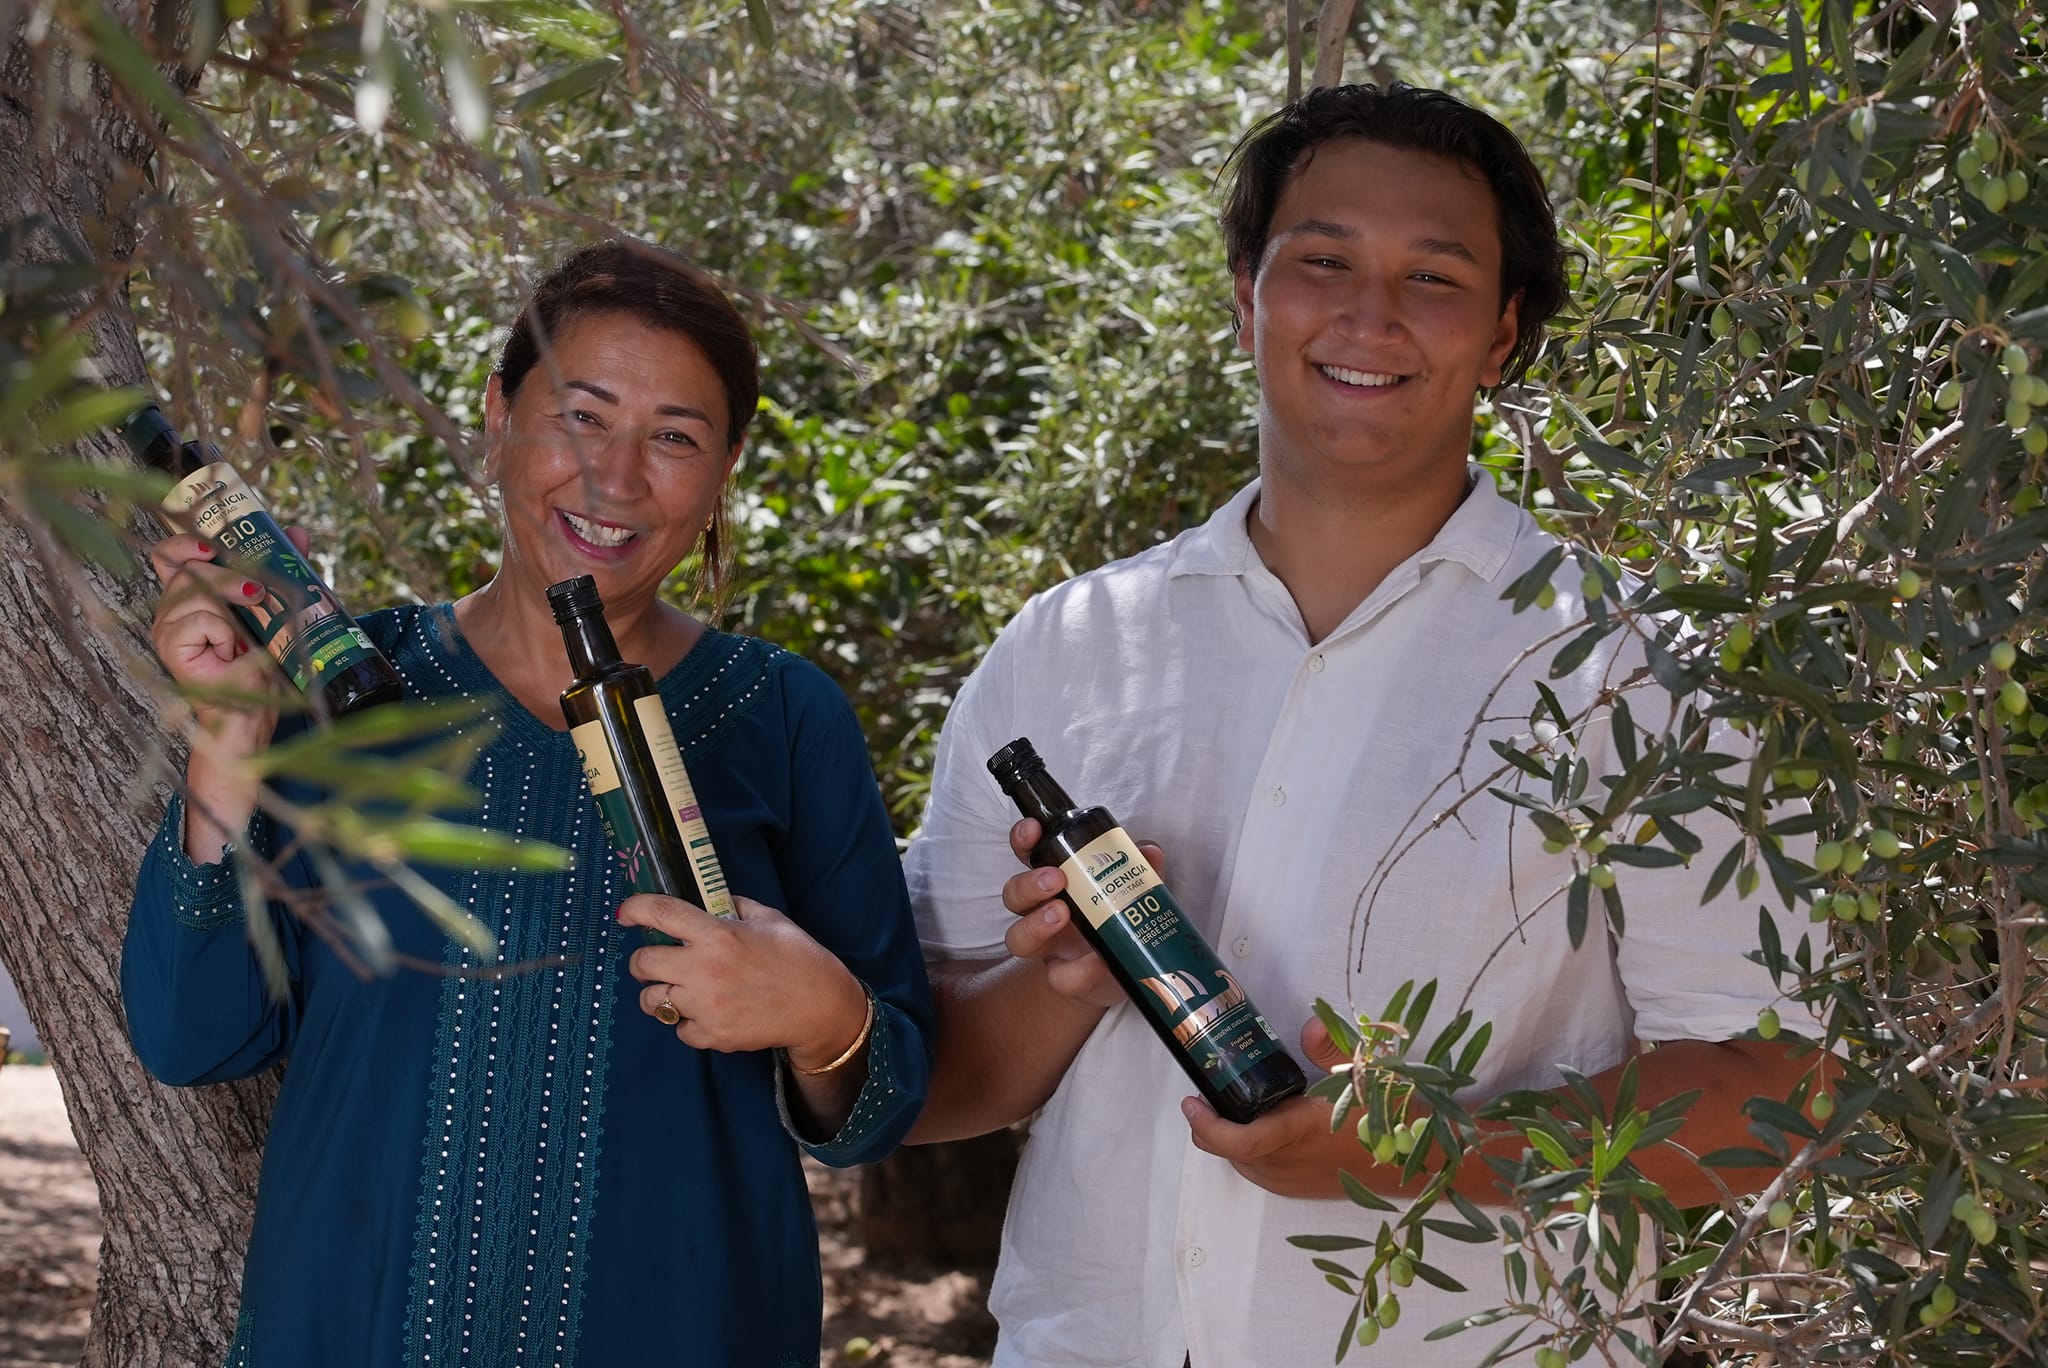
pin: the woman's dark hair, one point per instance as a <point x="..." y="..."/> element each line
<point x="654" y="286"/>
<point x="1532" y="260"/>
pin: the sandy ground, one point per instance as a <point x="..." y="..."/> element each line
<point x="50" y="1234"/>
<point x="49" y="1224"/>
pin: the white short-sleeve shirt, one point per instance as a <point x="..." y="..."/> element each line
<point x="1284" y="779"/>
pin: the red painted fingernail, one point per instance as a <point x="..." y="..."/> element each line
<point x="251" y="589"/>
<point x="206" y="548"/>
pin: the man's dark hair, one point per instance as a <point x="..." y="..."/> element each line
<point x="1532" y="266"/>
<point x="653" y="286"/>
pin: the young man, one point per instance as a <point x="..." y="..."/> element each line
<point x="1283" y="698"/>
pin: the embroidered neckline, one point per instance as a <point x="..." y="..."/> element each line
<point x="716" y="682"/>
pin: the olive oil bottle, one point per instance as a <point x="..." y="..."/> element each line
<point x="630" y="760"/>
<point x="1162" y="962"/>
<point x="298" y="619"/>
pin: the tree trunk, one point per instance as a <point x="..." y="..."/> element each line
<point x="79" y="794"/>
<point x="938" y="1205"/>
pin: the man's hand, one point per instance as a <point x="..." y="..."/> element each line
<point x="1045" y="930"/>
<point x="1291" y="1150"/>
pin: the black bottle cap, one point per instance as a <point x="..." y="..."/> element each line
<point x="1015" y="761"/>
<point x="575" y="598"/>
<point x="151" y="437"/>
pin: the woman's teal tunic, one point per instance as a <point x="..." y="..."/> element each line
<point x="524" y="1168"/>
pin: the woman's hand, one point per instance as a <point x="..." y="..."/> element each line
<point x="755" y="981"/>
<point x="205" y="648"/>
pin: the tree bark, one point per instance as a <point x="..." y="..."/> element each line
<point x="940" y="1205"/>
<point x="80" y="789"/>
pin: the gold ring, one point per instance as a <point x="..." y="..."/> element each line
<point x="665" y="1011"/>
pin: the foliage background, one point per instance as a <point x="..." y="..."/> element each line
<point x="1794" y="406"/>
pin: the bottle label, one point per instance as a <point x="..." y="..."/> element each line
<point x="1181" y="984"/>
<point x="601" y="772"/>
<point x="682" y="805"/>
<point x="298" y="619"/>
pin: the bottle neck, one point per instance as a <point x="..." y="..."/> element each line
<point x="591" y="649"/>
<point x="1039" y="796"/>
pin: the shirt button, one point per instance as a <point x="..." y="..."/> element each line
<point x="1194" y="1257"/>
<point x="1315" y="663"/>
<point x="1278" y="797"/>
<point x="1241" y="947"/>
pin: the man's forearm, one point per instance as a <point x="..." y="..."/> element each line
<point x="1727" y="1074"/>
<point x="1295" y="1152"/>
<point x="1005" y="1040"/>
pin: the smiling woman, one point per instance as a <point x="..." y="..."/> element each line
<point x="525" y="1166"/>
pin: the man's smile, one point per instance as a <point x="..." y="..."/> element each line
<point x="1359" y="379"/>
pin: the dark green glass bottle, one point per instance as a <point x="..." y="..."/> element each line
<point x="298" y="620"/>
<point x="630" y="760"/>
<point x="1119" y="903"/>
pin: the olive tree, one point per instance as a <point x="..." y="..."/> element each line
<point x="1793" y="437"/>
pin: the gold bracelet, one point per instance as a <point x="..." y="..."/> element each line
<point x="866" y="1029"/>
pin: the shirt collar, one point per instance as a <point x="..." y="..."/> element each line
<point x="1480" y="534"/>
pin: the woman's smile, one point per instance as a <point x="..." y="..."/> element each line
<point x="596" y="537"/>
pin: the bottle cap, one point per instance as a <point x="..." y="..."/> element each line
<point x="1015" y="761"/>
<point x="150" y="436"/>
<point x="575" y="598"/>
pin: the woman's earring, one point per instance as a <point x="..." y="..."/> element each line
<point x="714" y="563"/>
